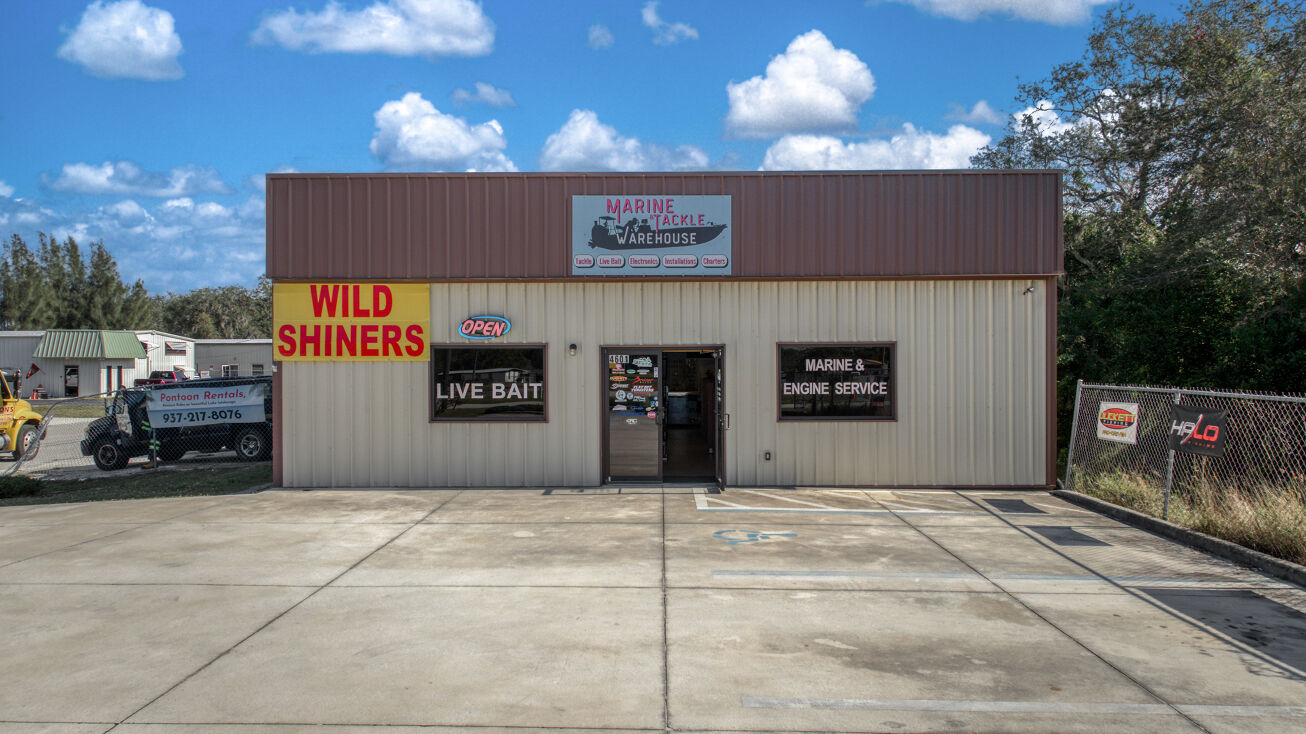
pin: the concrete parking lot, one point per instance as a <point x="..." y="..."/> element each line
<point x="752" y="610"/>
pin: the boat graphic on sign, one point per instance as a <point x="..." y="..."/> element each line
<point x="636" y="234"/>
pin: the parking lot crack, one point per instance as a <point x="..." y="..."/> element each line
<point x="666" y="656"/>
<point x="287" y="610"/>
<point x="1142" y="686"/>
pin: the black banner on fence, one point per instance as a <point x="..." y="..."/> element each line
<point x="1197" y="431"/>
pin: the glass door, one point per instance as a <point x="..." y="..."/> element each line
<point x="719" y="415"/>
<point x="634" y="438"/>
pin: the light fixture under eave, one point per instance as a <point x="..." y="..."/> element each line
<point x="571" y="349"/>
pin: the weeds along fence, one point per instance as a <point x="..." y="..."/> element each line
<point x="1264" y="442"/>
<point x="197" y="422"/>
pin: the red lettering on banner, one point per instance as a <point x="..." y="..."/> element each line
<point x="359" y="311"/>
<point x="390" y="337"/>
<point x="348" y="339"/>
<point x="305" y="340"/>
<point x="369" y="337"/>
<point x="415" y="340"/>
<point x="286" y="334"/>
<point x="324" y="298"/>
<point x="378" y="310"/>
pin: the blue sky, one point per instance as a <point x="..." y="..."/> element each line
<point x="148" y="124"/>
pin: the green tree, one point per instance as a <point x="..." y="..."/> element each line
<point x="105" y="292"/>
<point x="25" y="296"/>
<point x="224" y="312"/>
<point x="1185" y="190"/>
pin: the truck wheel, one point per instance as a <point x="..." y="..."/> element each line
<point x="23" y="444"/>
<point x="252" y="444"/>
<point x="109" y="456"/>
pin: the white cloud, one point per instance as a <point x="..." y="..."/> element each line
<point x="125" y="40"/>
<point x="981" y="113"/>
<point x="412" y="134"/>
<point x="126" y="178"/>
<point x="486" y="94"/>
<point x="585" y="144"/>
<point x="1056" y="12"/>
<point x="1043" y="116"/>
<point x="600" y="37"/>
<point x="127" y="213"/>
<point x="811" y="87"/>
<point x="178" y="244"/>
<point x="909" y="149"/>
<point x="664" y="33"/>
<point x="6" y="190"/>
<point x="258" y="181"/>
<point x="397" y="27"/>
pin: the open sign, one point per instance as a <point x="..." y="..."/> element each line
<point x="484" y="327"/>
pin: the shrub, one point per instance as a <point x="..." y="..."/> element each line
<point x="19" y="486"/>
<point x="1271" y="521"/>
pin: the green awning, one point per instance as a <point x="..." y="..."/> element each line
<point x="89" y="344"/>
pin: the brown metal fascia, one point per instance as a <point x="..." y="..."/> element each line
<point x="792" y="225"/>
<point x="682" y="279"/>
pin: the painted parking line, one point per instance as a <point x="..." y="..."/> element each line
<point x="717" y="504"/>
<point x="1131" y="581"/>
<point x="782" y="498"/>
<point x="1017" y="707"/>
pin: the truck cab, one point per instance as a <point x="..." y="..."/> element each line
<point x="124" y="433"/>
<point x="19" y="424"/>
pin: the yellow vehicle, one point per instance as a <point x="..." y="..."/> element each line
<point x="18" y="422"/>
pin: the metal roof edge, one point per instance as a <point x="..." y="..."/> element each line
<point x="138" y="332"/>
<point x="662" y="174"/>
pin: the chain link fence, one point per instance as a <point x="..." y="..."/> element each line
<point x="204" y="422"/>
<point x="1264" y="441"/>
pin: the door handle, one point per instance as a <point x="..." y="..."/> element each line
<point x="726" y="418"/>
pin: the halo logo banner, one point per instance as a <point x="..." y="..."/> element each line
<point x="1118" y="422"/>
<point x="1197" y="431"/>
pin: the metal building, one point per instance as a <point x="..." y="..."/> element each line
<point x="60" y="363"/>
<point x="864" y="329"/>
<point x="233" y="357"/>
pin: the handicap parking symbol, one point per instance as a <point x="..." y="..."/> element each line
<point x="735" y="537"/>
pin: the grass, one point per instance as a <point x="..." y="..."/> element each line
<point x="80" y="409"/>
<point x="133" y="484"/>
<point x="1272" y="521"/>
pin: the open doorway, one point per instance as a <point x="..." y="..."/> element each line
<point x="689" y="443"/>
<point x="665" y="417"/>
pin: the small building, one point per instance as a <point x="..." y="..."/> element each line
<point x="77" y="362"/>
<point x="168" y="352"/>
<point x="233" y="357"/>
<point x="891" y="329"/>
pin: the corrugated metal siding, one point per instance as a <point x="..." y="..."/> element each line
<point x="820" y="225"/>
<point x="971" y="379"/>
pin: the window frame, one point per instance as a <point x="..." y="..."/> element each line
<point x="893" y="384"/>
<point x="430" y="381"/>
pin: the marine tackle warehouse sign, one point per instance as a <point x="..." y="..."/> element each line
<point x="651" y="235"/>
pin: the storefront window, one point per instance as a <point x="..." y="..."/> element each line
<point x="491" y="383"/>
<point x="837" y="382"/>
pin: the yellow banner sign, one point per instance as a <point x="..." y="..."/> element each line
<point x="351" y="322"/>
